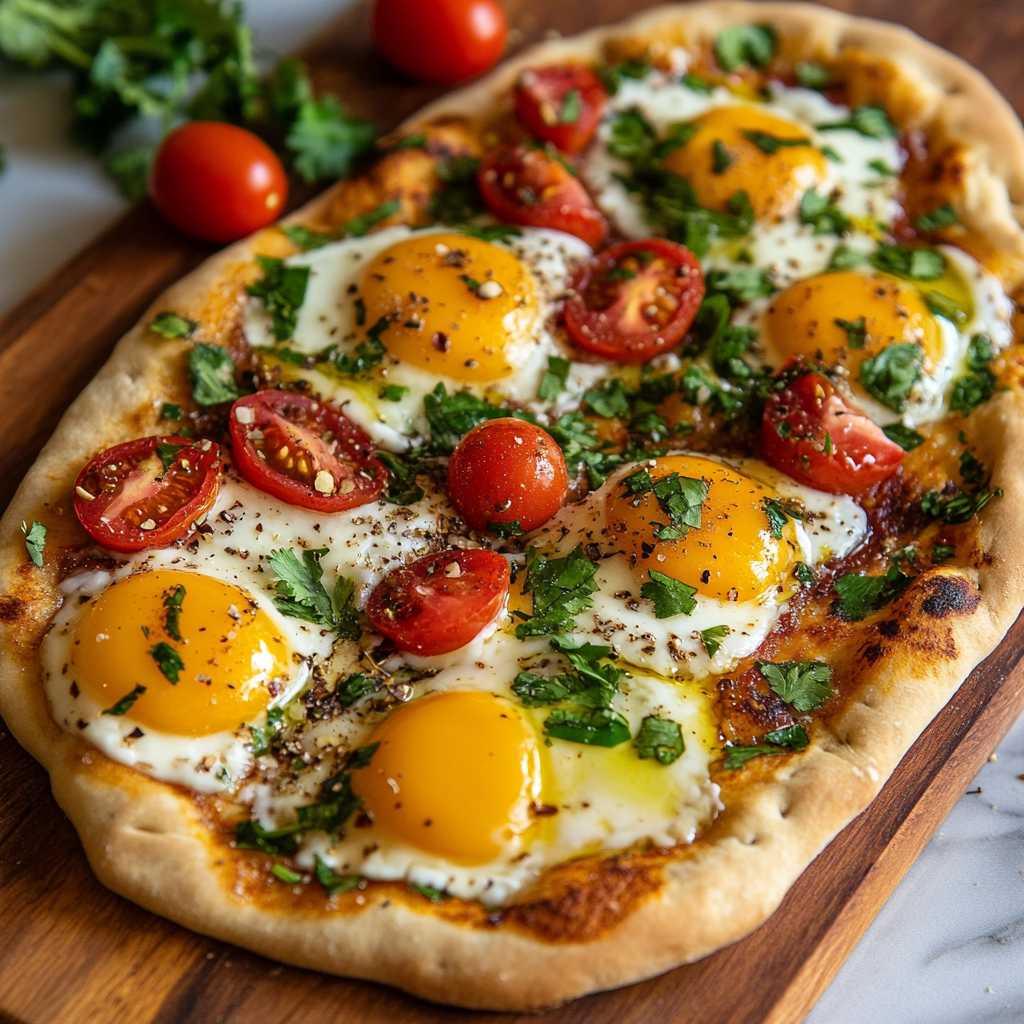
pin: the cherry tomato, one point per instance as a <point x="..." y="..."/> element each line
<point x="440" y="602"/>
<point x="304" y="452"/>
<point x="635" y="299"/>
<point x="562" y="105"/>
<point x="816" y="436"/>
<point x="527" y="185"/>
<point x="507" y="471"/>
<point x="147" y="493"/>
<point x="217" y="181"/>
<point x="442" y="41"/>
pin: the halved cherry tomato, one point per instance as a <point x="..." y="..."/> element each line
<point x="304" y="452"/>
<point x="561" y="104"/>
<point x="443" y="41"/>
<point x="440" y="602"/>
<point x="635" y="299"/>
<point x="527" y="185"/>
<point x="217" y="181"/>
<point x="147" y="493"/>
<point x="507" y="471"/>
<point x="815" y="435"/>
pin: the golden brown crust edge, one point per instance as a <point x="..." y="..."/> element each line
<point x="145" y="841"/>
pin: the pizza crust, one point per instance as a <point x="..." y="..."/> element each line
<point x="148" y="841"/>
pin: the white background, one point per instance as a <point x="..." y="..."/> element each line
<point x="947" y="948"/>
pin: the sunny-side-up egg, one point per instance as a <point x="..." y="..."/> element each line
<point x="465" y="792"/>
<point x="846" y="317"/>
<point x="742" y="575"/>
<point x="446" y="307"/>
<point x="774" y="151"/>
<point x="205" y="613"/>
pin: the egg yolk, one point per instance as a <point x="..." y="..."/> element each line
<point x="458" y="306"/>
<point x="802" y="321"/>
<point x="720" y="159"/>
<point x="731" y="557"/>
<point x="155" y="627"/>
<point x="454" y="775"/>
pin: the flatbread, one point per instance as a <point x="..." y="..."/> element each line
<point x="600" y="922"/>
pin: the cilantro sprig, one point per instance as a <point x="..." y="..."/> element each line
<point x="804" y="684"/>
<point x="282" y="290"/>
<point x="302" y="595"/>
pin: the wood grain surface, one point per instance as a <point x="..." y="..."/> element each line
<point x="74" y="952"/>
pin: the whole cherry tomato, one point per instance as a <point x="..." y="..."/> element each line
<point x="817" y="437"/>
<point x="304" y="452"/>
<point x="561" y="104"/>
<point x="527" y="185"/>
<point x="443" y="41"/>
<point x="217" y="181"/>
<point x="507" y="471"/>
<point x="635" y="299"/>
<point x="440" y="602"/>
<point x="147" y="493"/>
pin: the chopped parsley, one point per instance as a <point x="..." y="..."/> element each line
<point x="451" y="417"/>
<point x="745" y="44"/>
<point x="804" y="684"/>
<point x="592" y="682"/>
<point x="793" y="737"/>
<point x="511" y="528"/>
<point x="739" y="286"/>
<point x="935" y="220"/>
<point x="906" y="437"/>
<point x="553" y="382"/>
<point x="561" y="589"/>
<point x="600" y="727"/>
<point x="301" y="593"/>
<point x="660" y="739"/>
<point x="721" y="161"/>
<point x="282" y="290"/>
<point x="612" y="75"/>
<point x="822" y="214"/>
<point x="335" y="884"/>
<point x="367" y="354"/>
<point x="35" y="542"/>
<point x="856" y="331"/>
<point x="979" y="383"/>
<point x="429" y="892"/>
<point x="811" y="75"/>
<point x="123" y="706"/>
<point x="844" y="258"/>
<point x="736" y="757"/>
<point x="972" y="472"/>
<point x="285" y="874"/>
<point x="357" y="227"/>
<point x="771" y="144"/>
<point x="172" y="604"/>
<point x="168" y="660"/>
<point x="263" y="735"/>
<point x="354" y="688"/>
<point x="869" y="120"/>
<point x="402" y="473"/>
<point x="393" y="392"/>
<point x="712" y="638"/>
<point x="167" y="453"/>
<point x="670" y="597"/>
<point x="891" y="375"/>
<point x="942" y="553"/>
<point x="778" y="514"/>
<point x="860" y="595"/>
<point x="804" y="573"/>
<point x="170" y="325"/>
<point x="696" y="83"/>
<point x="960" y="508"/>
<point x="882" y="168"/>
<point x="213" y="375"/>
<point x="916" y="263"/>
<point x="943" y="305"/>
<point x="170" y="411"/>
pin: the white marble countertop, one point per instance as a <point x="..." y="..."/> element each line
<point x="948" y="946"/>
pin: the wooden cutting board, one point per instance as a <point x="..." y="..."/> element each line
<point x="74" y="952"/>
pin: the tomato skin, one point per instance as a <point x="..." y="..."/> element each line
<point x="507" y="470"/>
<point x="217" y="181"/>
<point x="442" y="41"/>
<point x="327" y="442"/>
<point x="540" y="98"/>
<point x="861" y="454"/>
<point x="440" y="602"/>
<point x="126" y="486"/>
<point x="526" y="185"/>
<point x="609" y="312"/>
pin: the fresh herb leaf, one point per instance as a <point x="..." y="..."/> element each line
<point x="822" y="214"/>
<point x="393" y="392"/>
<point x="971" y="470"/>
<point x="35" y="542"/>
<point x="745" y="44"/>
<point x="491" y="232"/>
<point x="779" y="514"/>
<point x="168" y="453"/>
<point x="213" y="375"/>
<point x="282" y="290"/>
<point x="869" y="120"/>
<point x="505" y="530"/>
<point x="721" y="160"/>
<point x="430" y="893"/>
<point x="670" y="597"/>
<point x="263" y="735"/>
<point x="771" y="144"/>
<point x="553" y="382"/>
<point x="845" y="258"/>
<point x="907" y="438"/>
<point x="172" y="604"/>
<point x="570" y="107"/>
<point x="943" y="305"/>
<point x="168" y="660"/>
<point x="561" y="589"/>
<point x="856" y="331"/>
<point x="170" y="325"/>
<point x="353" y="688"/>
<point x="251" y="835"/>
<point x="285" y="874"/>
<point x="402" y="486"/>
<point x="737" y="757"/>
<point x="942" y="553"/>
<point x="613" y="75"/>
<point x="600" y="727"/>
<point x="804" y="684"/>
<point x="534" y="690"/>
<point x="170" y="411"/>
<point x="367" y="354"/>
<point x="696" y="83"/>
<point x="935" y="220"/>
<point x="891" y="375"/>
<point x="915" y="264"/>
<point x="882" y="168"/>
<point x="793" y="737"/>
<point x="123" y="706"/>
<point x="660" y="739"/>
<point x="334" y="884"/>
<point x="357" y="227"/>
<point x="458" y="200"/>
<point x="302" y="595"/>
<point x="979" y="383"/>
<point x="958" y="509"/>
<point x="811" y="75"/>
<point x="451" y="417"/>
<point x="804" y="573"/>
<point x="739" y="286"/>
<point x="325" y="140"/>
<point x="682" y="499"/>
<point x="859" y="595"/>
<point x="712" y="638"/>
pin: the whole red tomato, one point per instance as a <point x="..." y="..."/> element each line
<point x="217" y="181"/>
<point x="441" y="41"/>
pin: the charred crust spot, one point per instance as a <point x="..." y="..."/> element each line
<point x="951" y="595"/>
<point x="12" y="608"/>
<point x="873" y="652"/>
<point x="889" y="629"/>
